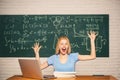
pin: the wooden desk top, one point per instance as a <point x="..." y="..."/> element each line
<point x="80" y="77"/>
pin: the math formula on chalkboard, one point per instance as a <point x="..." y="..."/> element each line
<point x="18" y="33"/>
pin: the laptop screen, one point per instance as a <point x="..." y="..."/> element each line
<point x="30" y="68"/>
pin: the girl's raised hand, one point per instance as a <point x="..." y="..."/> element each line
<point x="36" y="48"/>
<point x="92" y="35"/>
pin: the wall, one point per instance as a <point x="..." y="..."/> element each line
<point x="108" y="66"/>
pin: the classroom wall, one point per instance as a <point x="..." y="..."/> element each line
<point x="107" y="66"/>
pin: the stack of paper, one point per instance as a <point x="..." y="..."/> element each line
<point x="64" y="74"/>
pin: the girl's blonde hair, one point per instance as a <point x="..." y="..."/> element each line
<point x="58" y="42"/>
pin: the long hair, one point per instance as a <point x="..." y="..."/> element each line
<point x="58" y="42"/>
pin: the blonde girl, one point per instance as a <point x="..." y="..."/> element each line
<point x="64" y="60"/>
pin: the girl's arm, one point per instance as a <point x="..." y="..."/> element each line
<point x="36" y="49"/>
<point x="92" y="35"/>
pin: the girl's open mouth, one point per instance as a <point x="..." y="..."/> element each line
<point x="63" y="49"/>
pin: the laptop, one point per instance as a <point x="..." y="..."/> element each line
<point x="30" y="68"/>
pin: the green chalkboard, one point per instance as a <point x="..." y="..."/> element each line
<point x="18" y="33"/>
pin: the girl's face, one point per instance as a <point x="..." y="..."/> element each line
<point x="63" y="46"/>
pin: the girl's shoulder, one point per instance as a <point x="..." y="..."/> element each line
<point x="74" y="54"/>
<point x="53" y="56"/>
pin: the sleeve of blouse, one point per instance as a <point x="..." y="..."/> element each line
<point x="75" y="56"/>
<point x="50" y="60"/>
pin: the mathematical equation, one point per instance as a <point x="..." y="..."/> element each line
<point x="20" y="33"/>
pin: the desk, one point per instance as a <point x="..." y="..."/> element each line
<point x="78" y="77"/>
